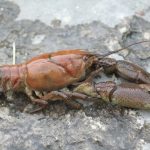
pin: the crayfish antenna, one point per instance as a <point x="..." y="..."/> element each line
<point x="116" y="51"/>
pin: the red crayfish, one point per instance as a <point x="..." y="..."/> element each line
<point x="42" y="77"/>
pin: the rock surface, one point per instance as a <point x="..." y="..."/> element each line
<point x="95" y="127"/>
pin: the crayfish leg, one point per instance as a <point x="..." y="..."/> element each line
<point x="94" y="74"/>
<point x="68" y="98"/>
<point x="90" y="78"/>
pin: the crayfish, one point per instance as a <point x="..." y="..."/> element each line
<point x="43" y="77"/>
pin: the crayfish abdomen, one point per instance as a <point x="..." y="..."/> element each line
<point x="12" y="77"/>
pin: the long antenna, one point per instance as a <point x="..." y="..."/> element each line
<point x="116" y="51"/>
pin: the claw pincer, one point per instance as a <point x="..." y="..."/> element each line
<point x="126" y="94"/>
<point x="125" y="69"/>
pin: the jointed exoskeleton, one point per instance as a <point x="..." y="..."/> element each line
<point x="131" y="95"/>
<point x="42" y="77"/>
